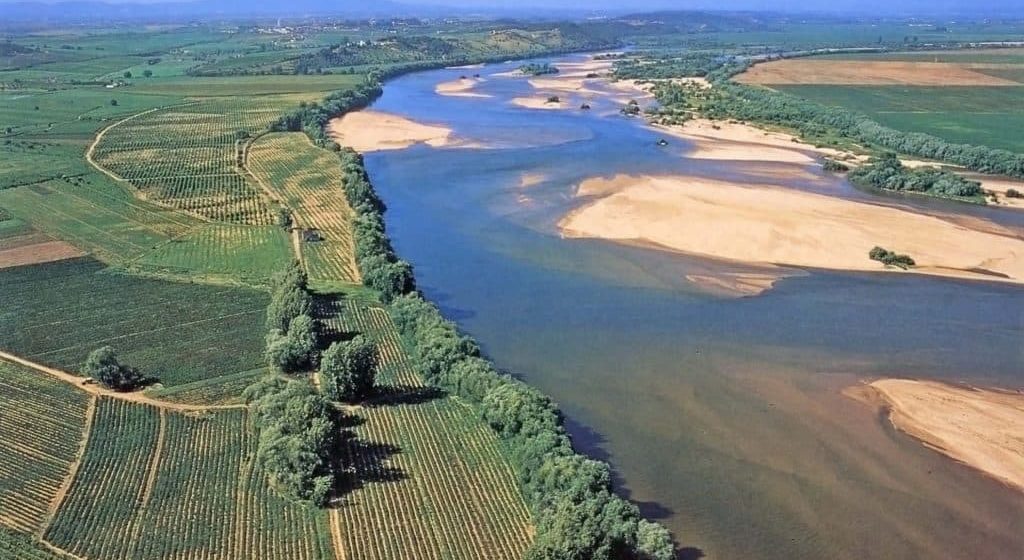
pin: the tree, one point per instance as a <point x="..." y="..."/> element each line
<point x="102" y="364"/>
<point x="348" y="370"/>
<point x="147" y="73"/>
<point x="293" y="350"/>
<point x="127" y="74"/>
<point x="113" y="103"/>
<point x="286" y="303"/>
<point x="284" y="218"/>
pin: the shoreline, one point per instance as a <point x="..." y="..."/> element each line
<point x="979" y="427"/>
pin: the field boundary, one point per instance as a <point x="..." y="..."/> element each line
<point x="93" y="389"/>
<point x="65" y="486"/>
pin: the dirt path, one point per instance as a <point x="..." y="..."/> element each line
<point x="339" y="543"/>
<point x="136" y="397"/>
<point x="65" y="486"/>
<point x="102" y="133"/>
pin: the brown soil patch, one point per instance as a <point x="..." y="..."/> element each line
<point x="37" y="253"/>
<point x="979" y="427"/>
<point x="879" y="72"/>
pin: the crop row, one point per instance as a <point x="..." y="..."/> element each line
<point x="224" y="198"/>
<point x="308" y="178"/>
<point x="159" y="484"/>
<point x="243" y="252"/>
<point x="41" y="426"/>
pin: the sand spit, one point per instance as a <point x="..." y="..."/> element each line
<point x="979" y="427"/>
<point x="463" y="87"/>
<point x="797" y="71"/>
<point x="761" y="224"/>
<point x="372" y="131"/>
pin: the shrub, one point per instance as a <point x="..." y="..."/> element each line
<point x="102" y="364"/>
<point x="890" y="258"/>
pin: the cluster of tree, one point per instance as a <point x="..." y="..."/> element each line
<point x="887" y="172"/>
<point x="103" y="365"/>
<point x="379" y="265"/>
<point x="648" y="66"/>
<point x="538" y="69"/>
<point x="293" y="332"/>
<point x="311" y="118"/>
<point x="890" y="258"/>
<point x="298" y="432"/>
<point x="835" y="166"/>
<point x="577" y="515"/>
<point x="348" y="370"/>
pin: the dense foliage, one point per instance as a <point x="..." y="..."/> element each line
<point x="890" y="258"/>
<point x="887" y="172"/>
<point x="538" y="69"/>
<point x="297" y="435"/>
<point x="292" y="338"/>
<point x="103" y="366"/>
<point x="348" y="370"/>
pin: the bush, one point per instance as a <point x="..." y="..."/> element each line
<point x="102" y="365"/>
<point x="835" y="166"/>
<point x="890" y="258"/>
<point x="348" y="370"/>
<point x="1013" y="193"/>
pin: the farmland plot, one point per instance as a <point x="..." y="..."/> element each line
<point x="42" y="422"/>
<point x="19" y="547"/>
<point x="159" y="484"/>
<point x="187" y="156"/>
<point x="429" y="478"/>
<point x="308" y="180"/>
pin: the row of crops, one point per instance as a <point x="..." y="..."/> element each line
<point x="42" y="421"/>
<point x="187" y="156"/>
<point x="160" y="484"/>
<point x="429" y="480"/>
<point x="308" y="180"/>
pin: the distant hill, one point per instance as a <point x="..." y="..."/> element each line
<point x="229" y="9"/>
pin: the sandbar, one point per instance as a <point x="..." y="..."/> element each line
<point x="539" y="103"/>
<point x="982" y="428"/>
<point x="763" y="224"/>
<point x="372" y="131"/>
<point x="719" y="140"/>
<point x="463" y="87"/>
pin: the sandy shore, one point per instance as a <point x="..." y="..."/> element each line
<point x="740" y="142"/>
<point x="463" y="87"/>
<point x="981" y="428"/>
<point x="762" y="224"/>
<point x="372" y="131"/>
<point x="539" y="102"/>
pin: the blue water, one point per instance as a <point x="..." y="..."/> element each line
<point x="722" y="415"/>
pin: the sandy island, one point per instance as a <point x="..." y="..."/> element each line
<point x="979" y="427"/>
<point x="761" y="224"/>
<point x="741" y="142"/>
<point x="539" y="103"/>
<point x="372" y="131"/>
<point x="463" y="87"/>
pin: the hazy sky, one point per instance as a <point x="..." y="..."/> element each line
<point x="867" y="7"/>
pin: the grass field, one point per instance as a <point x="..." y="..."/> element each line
<point x="248" y="253"/>
<point x="308" y="180"/>
<point x="429" y="478"/>
<point x="42" y="421"/>
<point x="14" y="546"/>
<point x="989" y="116"/>
<point x="159" y="484"/>
<point x="57" y="313"/>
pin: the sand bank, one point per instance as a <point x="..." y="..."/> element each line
<point x="371" y="131"/>
<point x="761" y="224"/>
<point x="1000" y="186"/>
<point x="741" y="142"/>
<point x="539" y="103"/>
<point x="981" y="428"/>
<point x="463" y="87"/>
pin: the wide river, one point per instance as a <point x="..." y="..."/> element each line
<point x="722" y="416"/>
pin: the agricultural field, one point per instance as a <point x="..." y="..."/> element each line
<point x="428" y="476"/>
<point x="160" y="484"/>
<point x="307" y="179"/>
<point x="57" y="313"/>
<point x="251" y="254"/>
<point x="42" y="424"/>
<point x="14" y="546"/>
<point x="973" y="96"/>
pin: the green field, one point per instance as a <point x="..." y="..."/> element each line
<point x="41" y="426"/>
<point x="308" y="180"/>
<point x="19" y="547"/>
<point x="159" y="484"/>
<point x="57" y="313"/>
<point x="987" y="116"/>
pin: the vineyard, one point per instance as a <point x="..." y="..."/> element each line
<point x="429" y="479"/>
<point x="308" y="180"/>
<point x="176" y="332"/>
<point x="41" y="427"/>
<point x="159" y="484"/>
<point x="187" y="156"/>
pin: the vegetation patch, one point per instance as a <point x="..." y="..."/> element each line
<point x="57" y="313"/>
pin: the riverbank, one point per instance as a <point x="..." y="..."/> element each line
<point x="762" y="224"/>
<point x="981" y="428"/>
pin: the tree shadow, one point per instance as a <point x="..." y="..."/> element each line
<point x="391" y="395"/>
<point x="368" y="463"/>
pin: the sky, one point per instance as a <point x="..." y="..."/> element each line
<point x="865" y="7"/>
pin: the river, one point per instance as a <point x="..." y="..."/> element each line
<point x="722" y="416"/>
